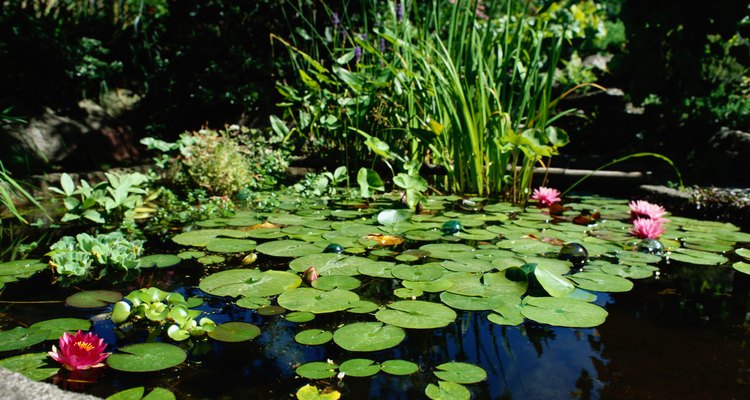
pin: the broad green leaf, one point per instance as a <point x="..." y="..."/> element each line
<point x="146" y="357"/>
<point x="368" y="336"/>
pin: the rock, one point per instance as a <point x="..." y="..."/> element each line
<point x="725" y="157"/>
<point x="14" y="386"/>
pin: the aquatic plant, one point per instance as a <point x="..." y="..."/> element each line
<point x="644" y="209"/>
<point x="10" y="187"/>
<point x="80" y="351"/>
<point x="546" y="196"/>
<point x="646" y="228"/>
<point x="79" y="258"/>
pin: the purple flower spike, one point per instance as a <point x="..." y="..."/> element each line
<point x="382" y="45"/>
<point x="357" y="54"/>
<point x="399" y="12"/>
<point x="336" y="20"/>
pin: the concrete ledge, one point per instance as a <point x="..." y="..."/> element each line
<point x="14" y="386"/>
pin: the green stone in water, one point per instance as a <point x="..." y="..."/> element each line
<point x="451" y="227"/>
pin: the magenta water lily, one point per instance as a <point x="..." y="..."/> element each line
<point x="644" y="209"/>
<point x="80" y="351"/>
<point x="546" y="196"/>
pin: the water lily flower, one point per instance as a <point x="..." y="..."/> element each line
<point x="80" y="351"/>
<point x="546" y="196"/>
<point x="644" y="209"/>
<point x="646" y="228"/>
<point x="310" y="275"/>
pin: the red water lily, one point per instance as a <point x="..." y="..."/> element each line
<point x="644" y="209"/>
<point x="546" y="196"/>
<point x="645" y="228"/>
<point x="80" y="351"/>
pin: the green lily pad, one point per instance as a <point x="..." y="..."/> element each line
<point x="229" y="245"/>
<point x="485" y="285"/>
<point x="299" y="316"/>
<point x="362" y="307"/>
<point x="359" y="367"/>
<point x="447" y="391"/>
<point x="601" y="282"/>
<point x="630" y="271"/>
<point x="20" y="269"/>
<point x="471" y="303"/>
<point x="317" y="301"/>
<point x="741" y="266"/>
<point x="271" y="310"/>
<point x="253" y="303"/>
<point x="249" y="283"/>
<point x="552" y="281"/>
<point x="234" y="332"/>
<point x="468" y="265"/>
<point x="423" y="272"/>
<point x="399" y="367"/>
<point x="330" y="264"/>
<point x="416" y="314"/>
<point x="691" y="256"/>
<point x="460" y="372"/>
<point x="563" y="312"/>
<point x="212" y="259"/>
<point x="317" y="370"/>
<point x="186" y="255"/>
<point x="146" y="357"/>
<point x="201" y="237"/>
<point x="159" y="261"/>
<point x="368" y="336"/>
<point x="313" y="337"/>
<point x="406" y="293"/>
<point x="93" y="298"/>
<point x="288" y="248"/>
<point x="435" y="286"/>
<point x="634" y="257"/>
<point x="265" y="233"/>
<point x="330" y="282"/>
<point x="58" y="326"/>
<point x="136" y="393"/>
<point x="423" y="235"/>
<point x="743" y="252"/>
<point x="449" y="251"/>
<point x="31" y="365"/>
<point x="377" y="269"/>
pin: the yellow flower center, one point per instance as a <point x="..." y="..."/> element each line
<point x="84" y="346"/>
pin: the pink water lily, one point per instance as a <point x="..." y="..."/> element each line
<point x="310" y="275"/>
<point x="546" y="196"/>
<point x="646" y="228"/>
<point x="644" y="209"/>
<point x="80" y="351"/>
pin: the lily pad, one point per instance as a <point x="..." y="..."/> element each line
<point x="359" y="367"/>
<point x="309" y="392"/>
<point x="601" y="282"/>
<point x="146" y="357"/>
<point x="330" y="282"/>
<point x="449" y="251"/>
<point x="460" y="372"/>
<point x="159" y="261"/>
<point x="423" y="272"/>
<point x="299" y="316"/>
<point x="234" y="332"/>
<point x="30" y="365"/>
<point x="317" y="301"/>
<point x="93" y="298"/>
<point x="229" y="245"/>
<point x="58" y="326"/>
<point x="416" y="314"/>
<point x="563" y="312"/>
<point x="313" y="337"/>
<point x="368" y="336"/>
<point x="629" y="271"/>
<point x="552" y="281"/>
<point x="471" y="303"/>
<point x="136" y="393"/>
<point x="201" y="237"/>
<point x="211" y="259"/>
<point x="317" y="370"/>
<point x="249" y="283"/>
<point x="330" y="264"/>
<point x="743" y="252"/>
<point x="399" y="367"/>
<point x="741" y="266"/>
<point x="698" y="257"/>
<point x="362" y="307"/>
<point x="20" y="269"/>
<point x="253" y="303"/>
<point x="447" y="391"/>
<point x="288" y="248"/>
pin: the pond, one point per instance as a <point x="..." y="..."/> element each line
<point x="418" y="305"/>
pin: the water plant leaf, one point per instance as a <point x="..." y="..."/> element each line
<point x="146" y="357"/>
<point x="698" y="257"/>
<point x="406" y="293"/>
<point x="390" y="217"/>
<point x="211" y="259"/>
<point x="330" y="264"/>
<point x="399" y="367"/>
<point x="136" y="393"/>
<point x="309" y="392"/>
<point x="186" y="255"/>
<point x="447" y="391"/>
<point x="201" y="237"/>
<point x="159" y="261"/>
<point x="435" y="286"/>
<point x="423" y="272"/>
<point x="634" y="271"/>
<point x="423" y="235"/>
<point x="20" y="269"/>
<point x="377" y="269"/>
<point x="468" y="265"/>
<point x="313" y="337"/>
<point x="552" y="281"/>
<point x="559" y="311"/>
<point x="460" y="372"/>
<point x="299" y="316"/>
<point x="271" y="310"/>
<point x="743" y="252"/>
<point x="93" y="298"/>
<point x="265" y="233"/>
<point x="230" y="245"/>
<point x="634" y="257"/>
<point x="449" y="251"/>
<point x="471" y="303"/>
<point x="601" y="282"/>
<point x="58" y="326"/>
<point x="368" y="336"/>
<point x="253" y="302"/>
<point x="317" y="301"/>
<point x="742" y="267"/>
<point x="234" y="331"/>
<point x="317" y="370"/>
<point x="30" y="365"/>
<point x="249" y="283"/>
<point x="359" y="367"/>
<point x="330" y="282"/>
<point x="485" y="285"/>
<point x="416" y="314"/>
<point x="288" y="248"/>
<point x="362" y="307"/>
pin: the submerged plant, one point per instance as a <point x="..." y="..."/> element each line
<point x="80" y="351"/>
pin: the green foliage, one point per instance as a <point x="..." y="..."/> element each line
<point x="197" y="206"/>
<point x="9" y="188"/>
<point x="170" y="310"/>
<point x="120" y="200"/>
<point x="86" y="257"/>
<point x="327" y="183"/>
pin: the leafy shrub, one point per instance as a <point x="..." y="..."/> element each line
<point x="197" y="206"/>
<point x="85" y="257"/>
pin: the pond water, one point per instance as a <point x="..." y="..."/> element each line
<point x="681" y="332"/>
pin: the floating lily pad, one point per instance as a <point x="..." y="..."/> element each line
<point x="234" y="332"/>
<point x="201" y="237"/>
<point x="447" y="391"/>
<point x="630" y="271"/>
<point x="330" y="282"/>
<point x="460" y="372"/>
<point x="299" y="316"/>
<point x="691" y="256"/>
<point x="20" y="269"/>
<point x="30" y="365"/>
<point x="423" y="235"/>
<point x="253" y="302"/>
<point x="288" y="248"/>
<point x="743" y="252"/>
<point x="416" y="314"/>
<point x="317" y="301"/>
<point x="399" y="367"/>
<point x="229" y="245"/>
<point x="468" y="265"/>
<point x="634" y="257"/>
<point x="186" y="255"/>
<point x="368" y="336"/>
<point x="136" y="393"/>
<point x="378" y="269"/>
<point x="563" y="312"/>
<point x="741" y="266"/>
<point x="159" y="261"/>
<point x="249" y="283"/>
<point x="309" y="392"/>
<point x="449" y="251"/>
<point x="552" y="281"/>
<point x="93" y="298"/>
<point x="212" y="259"/>
<point x="271" y="310"/>
<point x="313" y="337"/>
<point x="317" y="370"/>
<point x="146" y="357"/>
<point x="435" y="286"/>
<point x="423" y="272"/>
<point x="265" y="233"/>
<point x="58" y="326"/>
<point x="471" y="303"/>
<point x="390" y="217"/>
<point x="359" y="367"/>
<point x="330" y="264"/>
<point x="362" y="307"/>
<point x="485" y="285"/>
<point x="601" y="282"/>
<point x="406" y="293"/>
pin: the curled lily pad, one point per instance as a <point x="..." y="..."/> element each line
<point x="317" y="370"/>
<point x="359" y="367"/>
<point x="416" y="314"/>
<point x="399" y="367"/>
<point x="93" y="298"/>
<point x="368" y="336"/>
<point x="563" y="312"/>
<point x="691" y="256"/>
<point x="460" y="372"/>
<point x="146" y="357"/>
<point x="234" y="332"/>
<point x="313" y="337"/>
